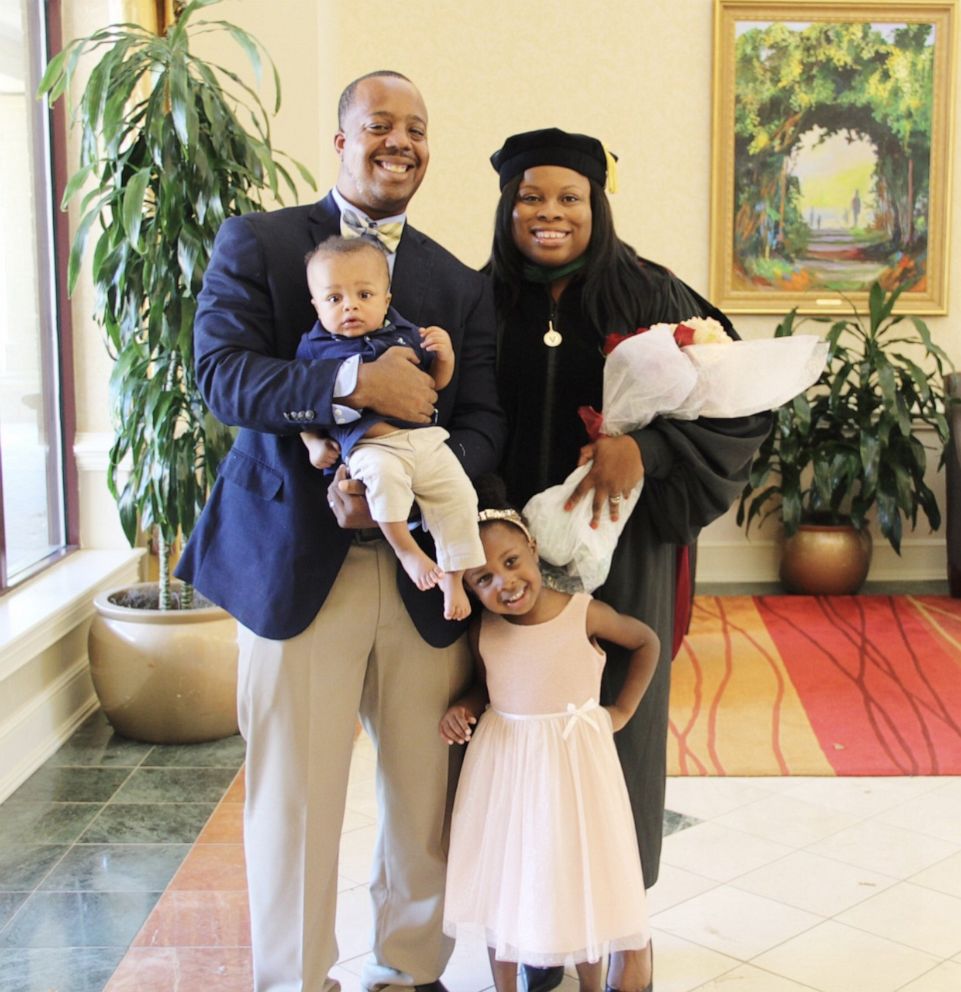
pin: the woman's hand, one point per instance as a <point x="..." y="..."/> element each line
<point x="616" y="469"/>
<point x="348" y="500"/>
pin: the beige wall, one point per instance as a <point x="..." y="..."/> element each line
<point x="635" y="73"/>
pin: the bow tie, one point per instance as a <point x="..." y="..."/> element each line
<point x="352" y="225"/>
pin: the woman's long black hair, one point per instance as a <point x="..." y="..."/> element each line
<point x="612" y="280"/>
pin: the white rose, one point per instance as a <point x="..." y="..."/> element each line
<point x="707" y="331"/>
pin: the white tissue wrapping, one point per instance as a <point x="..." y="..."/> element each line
<point x="647" y="376"/>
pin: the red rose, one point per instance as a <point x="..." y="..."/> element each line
<point x="614" y="339"/>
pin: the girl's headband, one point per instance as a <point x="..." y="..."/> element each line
<point x="511" y="517"/>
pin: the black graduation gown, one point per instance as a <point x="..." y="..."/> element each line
<point x="694" y="470"/>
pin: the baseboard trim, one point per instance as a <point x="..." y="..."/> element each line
<point x="38" y="729"/>
<point x="921" y="560"/>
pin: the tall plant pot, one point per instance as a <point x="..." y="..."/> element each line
<point x="164" y="676"/>
<point x="826" y="559"/>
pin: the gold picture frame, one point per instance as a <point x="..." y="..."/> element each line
<point x="832" y="137"/>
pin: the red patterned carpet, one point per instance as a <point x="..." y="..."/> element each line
<point x="818" y="685"/>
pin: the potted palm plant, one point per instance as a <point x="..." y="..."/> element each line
<point x="849" y="446"/>
<point x="171" y="144"/>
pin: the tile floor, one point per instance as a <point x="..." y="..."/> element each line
<point x="767" y="884"/>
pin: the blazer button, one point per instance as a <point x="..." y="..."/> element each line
<point x="309" y="414"/>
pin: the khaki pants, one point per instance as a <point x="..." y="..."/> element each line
<point x="407" y="464"/>
<point x="298" y="704"/>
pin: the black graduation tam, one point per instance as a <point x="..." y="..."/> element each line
<point x="551" y="146"/>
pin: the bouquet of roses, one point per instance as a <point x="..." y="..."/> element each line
<point x="684" y="371"/>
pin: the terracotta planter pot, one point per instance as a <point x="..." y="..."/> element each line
<point x="826" y="559"/>
<point x="166" y="677"/>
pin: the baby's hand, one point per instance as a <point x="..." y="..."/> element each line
<point x="323" y="451"/>
<point x="437" y="340"/>
<point x="455" y="725"/>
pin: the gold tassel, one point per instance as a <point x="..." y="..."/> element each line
<point x="611" y="185"/>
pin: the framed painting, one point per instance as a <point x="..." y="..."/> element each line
<point x="831" y="153"/>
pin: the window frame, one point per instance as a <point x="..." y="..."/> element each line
<point x="43" y="28"/>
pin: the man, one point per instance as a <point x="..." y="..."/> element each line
<point x="329" y="626"/>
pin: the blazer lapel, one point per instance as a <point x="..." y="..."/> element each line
<point x="412" y="271"/>
<point x="324" y="219"/>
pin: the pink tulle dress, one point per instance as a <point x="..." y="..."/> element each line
<point x="543" y="858"/>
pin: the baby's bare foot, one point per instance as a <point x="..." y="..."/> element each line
<point x="456" y="602"/>
<point x="424" y="573"/>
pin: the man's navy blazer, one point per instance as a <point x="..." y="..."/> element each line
<point x="267" y="547"/>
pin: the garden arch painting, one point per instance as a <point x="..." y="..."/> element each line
<point x="831" y="153"/>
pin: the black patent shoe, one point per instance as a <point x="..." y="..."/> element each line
<point x="540" y="979"/>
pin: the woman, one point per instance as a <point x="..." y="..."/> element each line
<point x="562" y="282"/>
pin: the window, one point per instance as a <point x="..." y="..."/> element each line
<point x="33" y="392"/>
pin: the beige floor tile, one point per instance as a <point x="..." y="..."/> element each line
<point x="833" y="957"/>
<point x="363" y="769"/>
<point x="719" y="852"/>
<point x="364" y="803"/>
<point x="675" y="885"/>
<point x="709" y="797"/>
<point x="862" y="796"/>
<point x="747" y="978"/>
<point x="356" y="852"/>
<point x="682" y="966"/>
<point x="348" y="974"/>
<point x="884" y="848"/>
<point x="947" y="785"/>
<point x="354" y="923"/>
<point x="353" y="966"/>
<point x="910" y="914"/>
<point x="944" y="876"/>
<point x="787" y="820"/>
<point x="945" y="978"/>
<point x="818" y="885"/>
<point x="354" y="820"/>
<point x="937" y="813"/>
<point x="738" y="924"/>
<point x="343" y="884"/>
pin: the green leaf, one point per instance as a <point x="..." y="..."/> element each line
<point x="889" y="520"/>
<point x="251" y="49"/>
<point x="876" y="304"/>
<point x="189" y="253"/>
<point x="133" y="206"/>
<point x="180" y="102"/>
<point x="886" y="382"/>
<point x="870" y="452"/>
<point x="78" y="247"/>
<point x="75" y="184"/>
<point x="151" y="108"/>
<point x="54" y="78"/>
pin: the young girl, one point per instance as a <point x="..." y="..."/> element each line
<point x="543" y="856"/>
